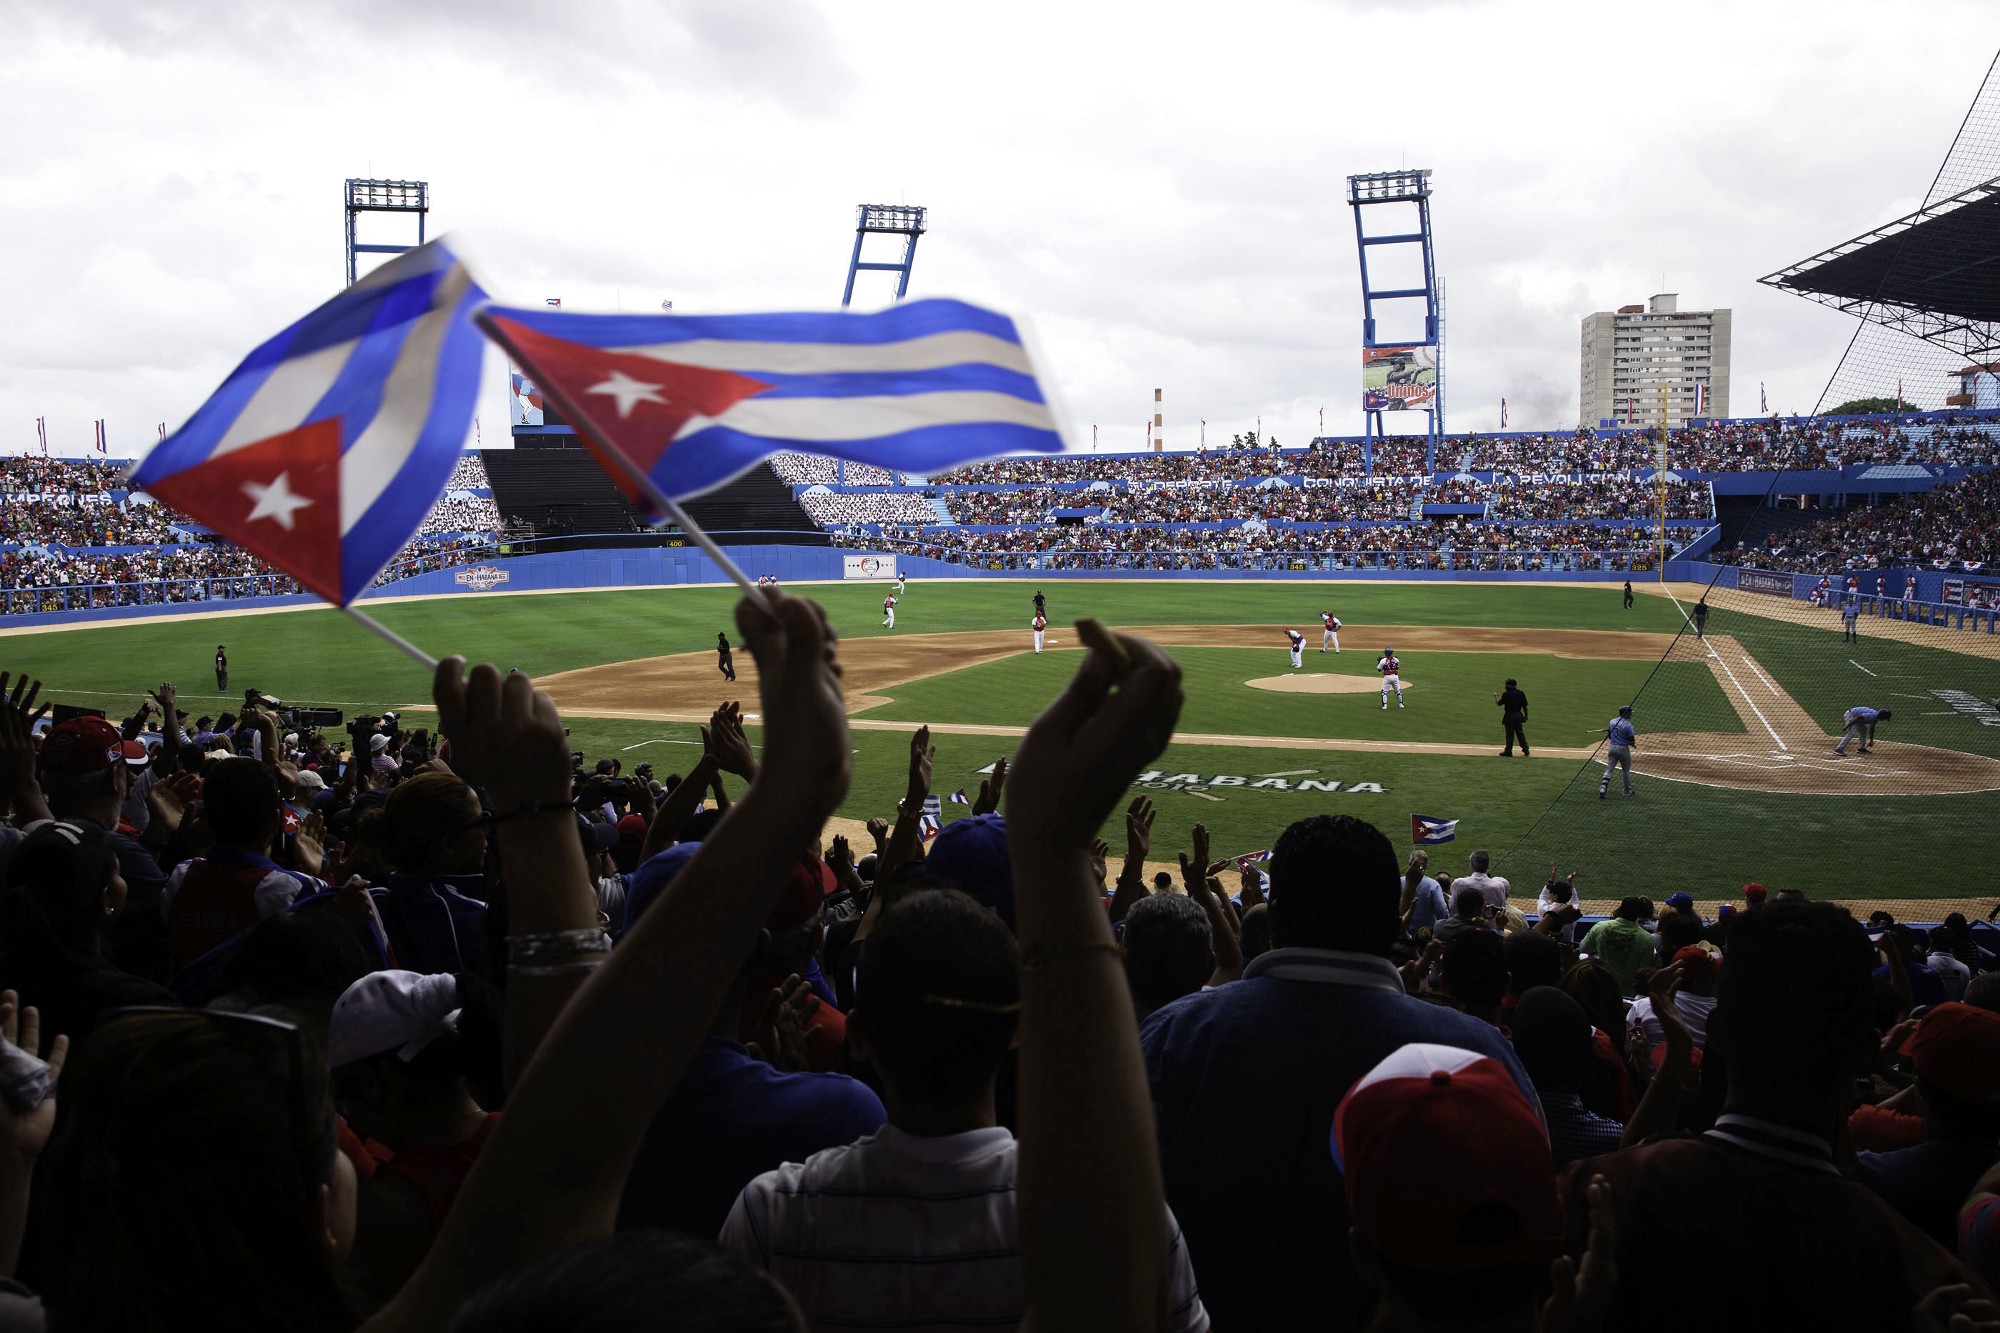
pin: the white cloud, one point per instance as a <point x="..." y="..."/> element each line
<point x="1161" y="187"/>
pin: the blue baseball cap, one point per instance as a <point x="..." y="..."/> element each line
<point x="1681" y="902"/>
<point x="971" y="853"/>
<point x="652" y="877"/>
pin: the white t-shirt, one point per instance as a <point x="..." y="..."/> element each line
<point x="1694" y="1011"/>
<point x="1955" y="975"/>
<point x="870" y="1234"/>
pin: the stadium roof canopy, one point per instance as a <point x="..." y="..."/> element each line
<point x="1934" y="274"/>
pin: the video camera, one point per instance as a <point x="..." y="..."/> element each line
<point x="294" y="718"/>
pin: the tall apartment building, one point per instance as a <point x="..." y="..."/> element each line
<point x="1654" y="364"/>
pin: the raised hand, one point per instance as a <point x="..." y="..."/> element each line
<point x="783" y="1036"/>
<point x="922" y="752"/>
<point x="1249" y="886"/>
<point x="23" y="1134"/>
<point x="309" y="846"/>
<point x="1081" y="754"/>
<point x="1138" y="831"/>
<point x="724" y="739"/>
<point x="505" y="735"/>
<point x="1580" y="1294"/>
<point x="806" y="754"/>
<point x="17" y="750"/>
<point x="990" y="789"/>
<point x="878" y="829"/>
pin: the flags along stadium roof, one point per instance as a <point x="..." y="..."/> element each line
<point x="1934" y="274"/>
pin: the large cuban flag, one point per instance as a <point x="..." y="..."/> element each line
<point x="324" y="450"/>
<point x="693" y="400"/>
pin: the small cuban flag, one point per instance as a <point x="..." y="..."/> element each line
<point x="1425" y="829"/>
<point x="324" y="451"/>
<point x="691" y="401"/>
<point x="1248" y="859"/>
<point x="959" y="797"/>
<point x="932" y="819"/>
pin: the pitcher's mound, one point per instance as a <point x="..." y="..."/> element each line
<point x="1315" y="682"/>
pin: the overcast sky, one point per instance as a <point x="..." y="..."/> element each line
<point x="1160" y="187"/>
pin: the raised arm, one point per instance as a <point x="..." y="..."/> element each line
<point x="1094" y="1238"/>
<point x="17" y="749"/>
<point x="550" y="1177"/>
<point x="508" y="738"/>
<point x="905" y="840"/>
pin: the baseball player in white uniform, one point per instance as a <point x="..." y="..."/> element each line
<point x="1392" y="676"/>
<point x="1041" y="627"/>
<point x="1330" y="634"/>
<point x="889" y="612"/>
<point x="1909" y="591"/>
<point x="902" y="584"/>
<point x="1298" y="645"/>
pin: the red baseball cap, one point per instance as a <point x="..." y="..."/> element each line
<point x="806" y="889"/>
<point x="1956" y="1048"/>
<point x="1697" y="964"/>
<point x="1447" y="1163"/>
<point x="82" y="745"/>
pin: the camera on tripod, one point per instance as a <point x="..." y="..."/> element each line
<point x="294" y="718"/>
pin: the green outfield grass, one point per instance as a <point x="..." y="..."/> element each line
<point x="1671" y="836"/>
<point x="1450" y="697"/>
<point x="321" y="656"/>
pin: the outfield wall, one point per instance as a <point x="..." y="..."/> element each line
<point x="646" y="567"/>
<point x="656" y="566"/>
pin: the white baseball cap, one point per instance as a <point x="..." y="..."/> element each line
<point x="391" y="1011"/>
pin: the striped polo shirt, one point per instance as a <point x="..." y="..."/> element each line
<point x="900" y="1231"/>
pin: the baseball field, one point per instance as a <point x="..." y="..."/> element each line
<point x="1735" y="779"/>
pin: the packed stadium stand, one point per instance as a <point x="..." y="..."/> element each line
<point x="1871" y="492"/>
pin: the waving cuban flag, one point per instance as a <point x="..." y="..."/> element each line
<point x="693" y="400"/>
<point x="1425" y="829"/>
<point x="324" y="450"/>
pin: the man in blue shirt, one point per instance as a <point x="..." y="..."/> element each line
<point x="1423" y="898"/>
<point x="1246" y="1078"/>
<point x="1860" y="724"/>
<point x="1621" y="737"/>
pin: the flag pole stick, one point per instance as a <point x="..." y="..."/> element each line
<point x="390" y="637"/>
<point x="629" y="471"/>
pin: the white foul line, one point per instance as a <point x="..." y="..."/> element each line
<point x="1857" y="666"/>
<point x="1723" y="663"/>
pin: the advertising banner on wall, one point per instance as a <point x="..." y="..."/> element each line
<point x="868" y="567"/>
<point x="1397" y="379"/>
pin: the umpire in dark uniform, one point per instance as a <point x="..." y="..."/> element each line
<point x="221" y="669"/>
<point x="1514" y="716"/>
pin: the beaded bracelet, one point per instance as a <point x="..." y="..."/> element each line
<point x="522" y="948"/>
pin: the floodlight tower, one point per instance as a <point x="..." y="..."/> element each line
<point x="894" y="220"/>
<point x="1401" y="367"/>
<point x="364" y="196"/>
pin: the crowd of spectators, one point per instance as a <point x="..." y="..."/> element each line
<point x="819" y="470"/>
<point x="829" y="508"/>
<point x="57" y="515"/>
<point x="461" y="1029"/>
<point x="1458" y="543"/>
<point x="34" y="580"/>
<point x="1959" y="439"/>
<point x="32" y="474"/>
<point x="85" y="519"/>
<point x="462" y="513"/>
<point x="1599" y="496"/>
<point x="469" y="473"/>
<point x="1956" y="525"/>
